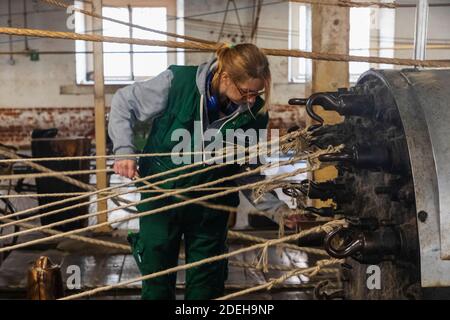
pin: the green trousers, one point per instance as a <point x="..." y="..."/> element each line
<point x="156" y="247"/>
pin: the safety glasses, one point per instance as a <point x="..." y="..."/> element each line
<point x="245" y="93"/>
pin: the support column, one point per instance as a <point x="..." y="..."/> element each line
<point x="99" y="107"/>
<point x="330" y="33"/>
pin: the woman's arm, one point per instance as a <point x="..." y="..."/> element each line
<point x="137" y="102"/>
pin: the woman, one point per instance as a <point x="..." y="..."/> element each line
<point x="223" y="94"/>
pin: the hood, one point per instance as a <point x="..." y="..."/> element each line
<point x="202" y="73"/>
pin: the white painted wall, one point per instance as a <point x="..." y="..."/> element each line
<point x="37" y="84"/>
<point x="274" y="24"/>
<point x="438" y="30"/>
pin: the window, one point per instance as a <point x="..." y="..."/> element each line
<point x="125" y="63"/>
<point x="371" y="34"/>
<point x="367" y="38"/>
<point x="359" y="40"/>
<point x="299" y="38"/>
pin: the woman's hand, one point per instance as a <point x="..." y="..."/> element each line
<point x="292" y="221"/>
<point x="125" y="168"/>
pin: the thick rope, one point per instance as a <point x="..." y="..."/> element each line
<point x="121" y="193"/>
<point x="67" y="194"/>
<point x="203" y="203"/>
<point x="174" y="193"/>
<point x="127" y="248"/>
<point x="103" y="243"/>
<point x="79" y="184"/>
<point x="154" y="211"/>
<point x="92" y="14"/>
<point x="75" y="182"/>
<point x="51" y="174"/>
<point x="310" y="272"/>
<point x="293" y="237"/>
<point x="53" y="212"/>
<point x="243" y="236"/>
<point x="261" y="149"/>
<point x="257" y="170"/>
<point x="347" y="4"/>
<point x="213" y="47"/>
<point x="260" y="146"/>
<point x="107" y="156"/>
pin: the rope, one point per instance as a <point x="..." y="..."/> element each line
<point x="106" y="211"/>
<point x="39" y="167"/>
<point x="310" y="272"/>
<point x="51" y="174"/>
<point x="138" y="180"/>
<point x="203" y="203"/>
<point x="108" y="156"/>
<point x="127" y="248"/>
<point x="239" y="235"/>
<point x="92" y="14"/>
<point x="85" y="195"/>
<point x="257" y="170"/>
<point x="232" y="286"/>
<point x="154" y="176"/>
<point x="345" y="3"/>
<point x="157" y="210"/>
<point x="213" y="47"/>
<point x="207" y="260"/>
<point x="67" y="194"/>
<point x="111" y="196"/>
<point x="52" y="212"/>
<point x="242" y="264"/>
<point x="108" y="244"/>
<point x="79" y="184"/>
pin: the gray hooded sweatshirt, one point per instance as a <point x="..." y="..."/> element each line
<point x="145" y="100"/>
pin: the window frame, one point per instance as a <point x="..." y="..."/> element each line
<point x="381" y="27"/>
<point x="299" y="69"/>
<point x="83" y="24"/>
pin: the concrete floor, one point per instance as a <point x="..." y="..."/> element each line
<point x="100" y="270"/>
<point x="103" y="266"/>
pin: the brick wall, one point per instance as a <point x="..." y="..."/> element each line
<point x="284" y="117"/>
<point x="17" y="123"/>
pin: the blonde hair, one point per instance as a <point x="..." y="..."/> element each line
<point x="243" y="62"/>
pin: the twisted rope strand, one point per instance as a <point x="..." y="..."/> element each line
<point x="213" y="47"/>
<point x="204" y="261"/>
<point x="262" y="148"/>
<point x="154" y="211"/>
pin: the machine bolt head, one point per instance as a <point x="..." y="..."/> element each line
<point x="422" y="215"/>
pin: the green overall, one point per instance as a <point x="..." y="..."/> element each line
<point x="156" y="246"/>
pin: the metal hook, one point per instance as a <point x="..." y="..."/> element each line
<point x="347" y="251"/>
<point x="325" y="100"/>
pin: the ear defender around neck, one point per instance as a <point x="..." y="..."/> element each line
<point x="212" y="100"/>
